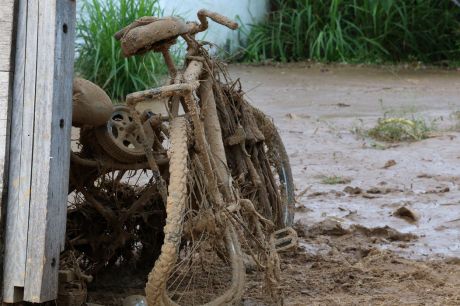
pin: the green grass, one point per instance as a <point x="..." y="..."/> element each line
<point x="98" y="54"/>
<point x="335" y="180"/>
<point x="456" y="117"/>
<point x="373" y="31"/>
<point x="400" y="129"/>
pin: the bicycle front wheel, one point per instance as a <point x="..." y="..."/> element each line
<point x="201" y="260"/>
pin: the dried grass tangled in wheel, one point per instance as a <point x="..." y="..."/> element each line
<point x="256" y="154"/>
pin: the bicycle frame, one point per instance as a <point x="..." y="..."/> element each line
<point x="181" y="91"/>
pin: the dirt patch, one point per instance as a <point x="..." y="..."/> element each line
<point x="337" y="266"/>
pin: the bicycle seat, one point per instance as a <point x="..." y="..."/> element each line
<point x="150" y="33"/>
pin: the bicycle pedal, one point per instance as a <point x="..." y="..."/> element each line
<point x="284" y="239"/>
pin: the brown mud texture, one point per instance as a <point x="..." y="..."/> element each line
<point x="348" y="267"/>
<point x="385" y="230"/>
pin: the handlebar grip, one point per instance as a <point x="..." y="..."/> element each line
<point x="216" y="17"/>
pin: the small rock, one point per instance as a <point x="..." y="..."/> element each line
<point x="369" y="196"/>
<point x="389" y="164"/>
<point x="303" y="209"/>
<point x="291" y="116"/>
<point x="316" y="194"/>
<point x="135" y="300"/>
<point x="424" y="175"/>
<point x="329" y="226"/>
<point x="353" y="190"/>
<point x="407" y="214"/>
<point x="374" y="190"/>
<point x="439" y="189"/>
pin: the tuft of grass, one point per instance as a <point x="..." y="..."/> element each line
<point x="357" y="31"/>
<point x="400" y="129"/>
<point x="335" y="180"/>
<point x="456" y="116"/>
<point x="98" y="54"/>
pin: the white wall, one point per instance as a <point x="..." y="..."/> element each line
<point x="248" y="11"/>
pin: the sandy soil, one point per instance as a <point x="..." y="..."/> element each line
<point x="353" y="248"/>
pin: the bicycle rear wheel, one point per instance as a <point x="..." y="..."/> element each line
<point x="278" y="160"/>
<point x="257" y="156"/>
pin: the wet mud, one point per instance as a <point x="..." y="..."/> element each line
<point x="388" y="231"/>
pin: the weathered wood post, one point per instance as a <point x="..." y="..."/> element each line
<point x="7" y="34"/>
<point x="41" y="105"/>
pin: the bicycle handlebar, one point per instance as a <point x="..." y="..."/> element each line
<point x="216" y="17"/>
<point x="193" y="27"/>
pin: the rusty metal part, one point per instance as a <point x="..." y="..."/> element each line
<point x="91" y="106"/>
<point x="156" y="35"/>
<point x="120" y="137"/>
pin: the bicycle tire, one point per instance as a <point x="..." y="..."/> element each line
<point x="157" y="286"/>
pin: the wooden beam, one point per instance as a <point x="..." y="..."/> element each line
<point x="20" y="156"/>
<point x="6" y="34"/>
<point x="7" y="25"/>
<point x="40" y="148"/>
<point x="50" y="172"/>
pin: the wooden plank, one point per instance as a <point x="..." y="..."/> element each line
<point x="4" y="89"/>
<point x="20" y="155"/>
<point x="51" y="151"/>
<point x="40" y="149"/>
<point x="6" y="29"/>
<point x="7" y="23"/>
<point x="6" y="13"/>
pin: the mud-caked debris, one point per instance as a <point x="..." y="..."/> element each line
<point x="382" y="190"/>
<point x="332" y="227"/>
<point x="389" y="164"/>
<point x="384" y="232"/>
<point x="439" y="189"/>
<point x="407" y="214"/>
<point x="353" y="190"/>
<point x="329" y="227"/>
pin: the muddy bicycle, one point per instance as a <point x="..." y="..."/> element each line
<point x="197" y="194"/>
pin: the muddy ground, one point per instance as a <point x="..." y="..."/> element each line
<point x="354" y="249"/>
